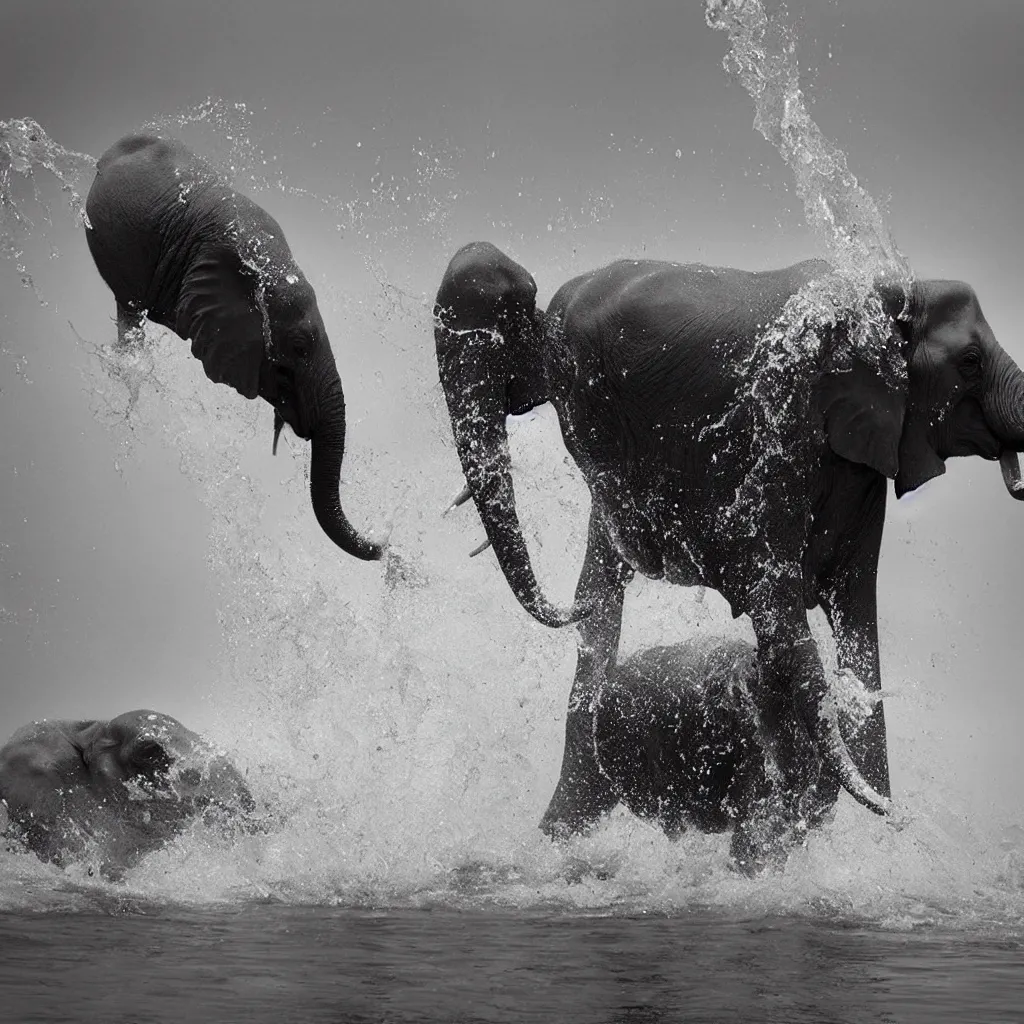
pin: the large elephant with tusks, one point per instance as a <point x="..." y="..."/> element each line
<point x="736" y="430"/>
<point x="178" y="246"/>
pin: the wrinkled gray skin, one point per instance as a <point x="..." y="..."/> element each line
<point x="178" y="246"/>
<point x="117" y="789"/>
<point x="677" y="738"/>
<point x="650" y="367"/>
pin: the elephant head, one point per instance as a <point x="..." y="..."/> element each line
<point x="259" y="329"/>
<point x="965" y="394"/>
<point x="489" y="334"/>
<point x="121" y="788"/>
<point x="177" y="244"/>
<point x="165" y="761"/>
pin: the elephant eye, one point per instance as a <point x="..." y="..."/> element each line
<point x="970" y="363"/>
<point x="297" y="342"/>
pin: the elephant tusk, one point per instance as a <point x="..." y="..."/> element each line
<point x="460" y="499"/>
<point x="482" y="547"/>
<point x="1009" y="463"/>
<point x="278" y="426"/>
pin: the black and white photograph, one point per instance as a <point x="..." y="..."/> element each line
<point x="511" y="511"/>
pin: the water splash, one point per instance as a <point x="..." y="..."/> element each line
<point x="406" y="728"/>
<point x="24" y="145"/>
<point x="836" y="318"/>
<point x="254" y="155"/>
<point x="844" y="217"/>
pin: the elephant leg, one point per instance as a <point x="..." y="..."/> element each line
<point x="768" y="824"/>
<point x="130" y="330"/>
<point x="854" y="622"/>
<point x="584" y="792"/>
<point x="788" y="660"/>
<point x="761" y="843"/>
<point x="850" y="603"/>
<point x="763" y="832"/>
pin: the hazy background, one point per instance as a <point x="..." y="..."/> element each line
<point x="566" y="131"/>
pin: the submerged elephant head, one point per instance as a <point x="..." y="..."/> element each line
<point x="123" y="787"/>
<point x="153" y="755"/>
<point x="489" y="336"/>
<point x="175" y="243"/>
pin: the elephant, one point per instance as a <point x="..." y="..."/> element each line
<point x="736" y="430"/>
<point x="676" y="736"/>
<point x="178" y="246"/>
<point x="120" y="788"/>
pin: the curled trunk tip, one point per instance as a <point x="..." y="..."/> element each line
<point x="477" y="405"/>
<point x="324" y="484"/>
<point x="495" y="500"/>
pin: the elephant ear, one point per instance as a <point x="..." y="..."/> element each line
<point x="90" y="739"/>
<point x="919" y="461"/>
<point x="863" y="415"/>
<point x="221" y="310"/>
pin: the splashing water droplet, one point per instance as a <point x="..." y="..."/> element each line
<point x="392" y="769"/>
<point x="24" y="145"/>
<point x="843" y="306"/>
<point x="841" y="213"/>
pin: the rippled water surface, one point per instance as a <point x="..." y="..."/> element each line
<point x="138" y="963"/>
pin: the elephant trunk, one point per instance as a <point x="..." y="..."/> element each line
<point x="475" y="389"/>
<point x="328" y="440"/>
<point x="1004" y="411"/>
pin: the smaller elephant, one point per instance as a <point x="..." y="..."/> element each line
<point x="118" y="789"/>
<point x="678" y="737"/>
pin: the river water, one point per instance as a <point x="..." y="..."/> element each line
<point x="268" y="964"/>
<point x="400" y="724"/>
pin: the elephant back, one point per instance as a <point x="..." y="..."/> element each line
<point x="146" y="202"/>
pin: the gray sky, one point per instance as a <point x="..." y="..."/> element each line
<point x="568" y="132"/>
